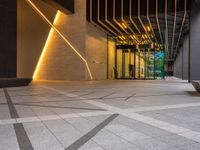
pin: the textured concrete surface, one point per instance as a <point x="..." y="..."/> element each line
<point x="101" y="115"/>
<point x="60" y="61"/>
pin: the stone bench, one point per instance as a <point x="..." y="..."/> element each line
<point x="196" y="85"/>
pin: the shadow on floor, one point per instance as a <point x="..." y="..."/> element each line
<point x="193" y="93"/>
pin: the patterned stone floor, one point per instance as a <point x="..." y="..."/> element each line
<point x="101" y="115"/>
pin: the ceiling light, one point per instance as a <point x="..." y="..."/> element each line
<point x="148" y="28"/>
<point x="123" y="24"/>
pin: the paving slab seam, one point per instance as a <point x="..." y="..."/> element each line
<point x="85" y="138"/>
<point x="53" y="117"/>
<point x="129" y="110"/>
<point x="187" y="133"/>
<point x="21" y="135"/>
<point x="42" y="121"/>
<point x="88" y="136"/>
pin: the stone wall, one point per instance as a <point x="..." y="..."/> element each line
<point x="60" y="62"/>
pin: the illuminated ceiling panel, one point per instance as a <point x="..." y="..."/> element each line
<point x="161" y="22"/>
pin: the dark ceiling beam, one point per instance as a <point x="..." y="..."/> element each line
<point x="65" y="6"/>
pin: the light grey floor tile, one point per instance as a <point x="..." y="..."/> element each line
<point x="8" y="140"/>
<point x="63" y="131"/>
<point x="97" y="119"/>
<point x="81" y="124"/>
<point x="104" y="138"/>
<point x="121" y="146"/>
<point x="175" y="140"/>
<point x="24" y="111"/>
<point x="90" y="145"/>
<point x="190" y="147"/>
<point x="151" y="144"/>
<point x="122" y="133"/>
<point x="42" y="111"/>
<point x="41" y="138"/>
<point x="126" y="132"/>
<point x="4" y="112"/>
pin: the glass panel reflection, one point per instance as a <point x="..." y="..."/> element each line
<point x="139" y="64"/>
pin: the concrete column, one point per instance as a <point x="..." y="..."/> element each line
<point x="195" y="44"/>
<point x="185" y="57"/>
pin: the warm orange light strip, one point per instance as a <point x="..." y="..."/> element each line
<point x="95" y="24"/>
<point x="132" y="21"/>
<point x="101" y="21"/>
<point x="125" y="24"/>
<point x="141" y="22"/>
<point x="58" y="32"/>
<point x="151" y="27"/>
<point x="106" y="18"/>
<point x="45" y="48"/>
<point x="115" y="20"/>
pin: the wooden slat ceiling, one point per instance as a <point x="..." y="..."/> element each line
<point x="161" y="23"/>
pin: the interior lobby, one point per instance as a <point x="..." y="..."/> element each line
<point x="100" y="75"/>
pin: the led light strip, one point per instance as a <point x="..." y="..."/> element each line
<point x="95" y="24"/>
<point x="185" y="13"/>
<point x="114" y="19"/>
<point x="122" y="18"/>
<point x="45" y="48"/>
<point x="132" y="21"/>
<point x="59" y="33"/>
<point x="99" y="21"/>
<point x="158" y="23"/>
<point x="174" y="25"/>
<point x="150" y="21"/>
<point x="142" y="22"/>
<point x="106" y="18"/>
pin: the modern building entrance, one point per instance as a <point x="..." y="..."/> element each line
<point x="132" y="63"/>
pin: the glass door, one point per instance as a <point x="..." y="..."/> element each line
<point x="125" y="64"/>
<point x="150" y="64"/>
<point x="139" y="64"/>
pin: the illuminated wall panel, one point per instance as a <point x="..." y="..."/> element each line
<point x="68" y="50"/>
<point x="111" y="59"/>
<point x="32" y="33"/>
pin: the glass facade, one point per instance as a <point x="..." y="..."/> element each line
<point x="139" y="64"/>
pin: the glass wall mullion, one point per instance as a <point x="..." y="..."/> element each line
<point x="123" y="64"/>
<point x="154" y="71"/>
<point x="145" y="65"/>
<point x="134" y="63"/>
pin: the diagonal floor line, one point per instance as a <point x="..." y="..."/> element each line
<point x="53" y="117"/>
<point x="22" y="137"/>
<point x="3" y="104"/>
<point x="85" y="138"/>
<point x="77" y="100"/>
<point x="51" y="106"/>
<point x="151" y="108"/>
<point x="181" y="131"/>
<point x="106" y="95"/>
<point x="129" y="110"/>
<point x="126" y="99"/>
